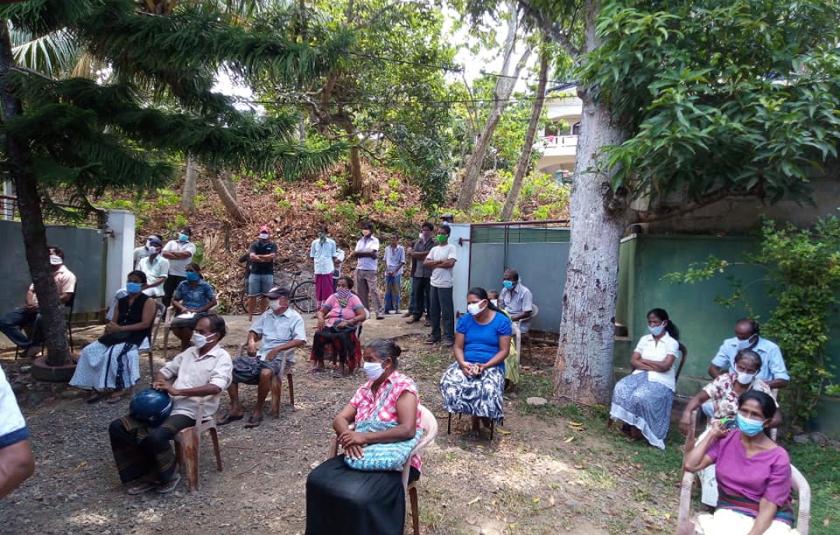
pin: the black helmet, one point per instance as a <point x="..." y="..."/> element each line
<point x="150" y="406"/>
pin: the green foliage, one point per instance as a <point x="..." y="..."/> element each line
<point x="736" y="96"/>
<point x="167" y="197"/>
<point x="804" y="276"/>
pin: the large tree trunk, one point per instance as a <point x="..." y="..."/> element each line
<point x="584" y="366"/>
<point x="528" y="145"/>
<point x="32" y="221"/>
<point x="188" y="194"/>
<point x="228" y="198"/>
<point x="504" y="88"/>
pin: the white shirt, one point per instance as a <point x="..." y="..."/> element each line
<point x="278" y="329"/>
<point x="650" y="349"/>
<point x="154" y="271"/>
<point x="193" y="371"/>
<point x="442" y="277"/>
<point x="395" y="259"/>
<point x="179" y="267"/>
<point x="139" y="254"/>
<point x="12" y="425"/>
<point x="323" y="254"/>
<point x="371" y="243"/>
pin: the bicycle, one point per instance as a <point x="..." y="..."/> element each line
<point x="301" y="294"/>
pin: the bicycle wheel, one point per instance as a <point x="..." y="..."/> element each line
<point x="303" y="297"/>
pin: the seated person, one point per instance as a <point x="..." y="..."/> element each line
<point x="281" y="330"/>
<point x="191" y="298"/>
<point x="338" y="319"/>
<point x="144" y="456"/>
<point x="512" y="368"/>
<point x="723" y="393"/>
<point x="16" y="461"/>
<point x="475" y="382"/>
<point x="28" y="316"/>
<point x="343" y="501"/>
<point x="113" y="361"/>
<point x="643" y="399"/>
<point x="516" y="300"/>
<point x="753" y="474"/>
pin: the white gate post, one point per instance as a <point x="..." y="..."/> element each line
<point x="119" y="251"/>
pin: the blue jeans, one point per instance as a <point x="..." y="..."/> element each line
<point x="11" y="325"/>
<point x="393" y="287"/>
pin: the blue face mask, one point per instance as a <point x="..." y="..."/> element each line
<point x="192" y="276"/>
<point x="183" y="238"/>
<point x="749" y="427"/>
<point x="657" y="329"/>
<point x="133" y="287"/>
<point x="507" y="284"/>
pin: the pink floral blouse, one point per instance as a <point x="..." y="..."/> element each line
<point x="723" y="396"/>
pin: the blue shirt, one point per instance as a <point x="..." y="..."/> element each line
<point x="772" y="363"/>
<point x="481" y="342"/>
<point x="194" y="296"/>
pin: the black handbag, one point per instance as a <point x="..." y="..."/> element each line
<point x="112" y="339"/>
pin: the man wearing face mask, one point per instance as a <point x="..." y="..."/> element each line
<point x="516" y="300"/>
<point x="261" y="279"/>
<point x="28" y="316"/>
<point x="367" y="250"/>
<point x="198" y="376"/>
<point x="179" y="252"/>
<point x="773" y="370"/>
<point x="146" y="249"/>
<point x="441" y="259"/>
<point x="155" y="267"/>
<point x="421" y="275"/>
<point x="281" y="330"/>
<point x="324" y="254"/>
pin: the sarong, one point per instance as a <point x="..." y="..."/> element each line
<point x="477" y="396"/>
<point x="728" y="522"/>
<point x="645" y="405"/>
<point x="246" y="369"/>
<point x="103" y="367"/>
<point x="323" y="287"/>
<point x="141" y="451"/>
<point x="343" y="345"/>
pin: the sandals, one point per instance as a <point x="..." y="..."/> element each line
<point x="169" y="486"/>
<point x="254" y="422"/>
<point x="95" y="396"/>
<point x="228" y="418"/>
<point x="141" y="487"/>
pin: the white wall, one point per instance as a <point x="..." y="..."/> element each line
<point x="461" y="273"/>
<point x="120" y="250"/>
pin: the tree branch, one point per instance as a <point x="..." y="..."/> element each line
<point x="552" y="29"/>
<point x="651" y="216"/>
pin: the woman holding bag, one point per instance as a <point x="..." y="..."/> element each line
<point x="347" y="494"/>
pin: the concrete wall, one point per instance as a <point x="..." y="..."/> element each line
<point x="84" y="251"/>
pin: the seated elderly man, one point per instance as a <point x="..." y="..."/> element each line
<point x="281" y="330"/>
<point x="516" y="299"/>
<point x="144" y="456"/>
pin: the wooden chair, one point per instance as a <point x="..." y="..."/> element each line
<point x="160" y="312"/>
<point x="188" y="445"/>
<point x="800" y="486"/>
<point x="276" y="386"/>
<point x="429" y="424"/>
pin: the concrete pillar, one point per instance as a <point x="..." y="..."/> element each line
<point x="460" y="238"/>
<point x="119" y="250"/>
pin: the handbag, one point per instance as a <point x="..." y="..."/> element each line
<point x="390" y="456"/>
<point x="112" y="339"/>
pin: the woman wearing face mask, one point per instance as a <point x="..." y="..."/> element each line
<point x="341" y="500"/>
<point x="113" y="362"/>
<point x="192" y="297"/>
<point x="753" y="473"/>
<point x="724" y="392"/>
<point x="338" y="318"/>
<point x="475" y="382"/>
<point x="643" y="399"/>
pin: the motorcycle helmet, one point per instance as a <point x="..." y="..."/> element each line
<point x="150" y="406"/>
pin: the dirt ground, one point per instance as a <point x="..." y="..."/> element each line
<point x="539" y="475"/>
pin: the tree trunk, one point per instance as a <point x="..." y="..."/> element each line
<point x="228" y="199"/>
<point x="528" y="145"/>
<point x="583" y="370"/>
<point x="32" y="221"/>
<point x="356" y="183"/>
<point x="504" y="88"/>
<point x="188" y="194"/>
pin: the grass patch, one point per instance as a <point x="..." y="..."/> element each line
<point x="821" y="467"/>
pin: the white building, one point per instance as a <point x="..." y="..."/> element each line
<point x="559" y="141"/>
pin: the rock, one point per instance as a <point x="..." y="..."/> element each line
<point x="819" y="438"/>
<point x="801" y="439"/>
<point x="573" y="505"/>
<point x="536" y="401"/>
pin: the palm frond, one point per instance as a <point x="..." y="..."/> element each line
<point x="54" y="54"/>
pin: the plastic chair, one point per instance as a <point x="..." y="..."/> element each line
<point x="160" y="311"/>
<point x="800" y="486"/>
<point x="359" y="326"/>
<point x="429" y="424"/>
<point x="188" y="445"/>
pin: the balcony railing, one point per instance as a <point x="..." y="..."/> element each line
<point x="559" y="141"/>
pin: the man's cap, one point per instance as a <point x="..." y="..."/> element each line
<point x="276" y="292"/>
<point x="155" y="240"/>
<point x="265" y="228"/>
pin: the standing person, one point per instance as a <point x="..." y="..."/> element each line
<point x="421" y="274"/>
<point x="261" y="257"/>
<point x="146" y="249"/>
<point x="324" y="254"/>
<point x="394" y="262"/>
<point x="179" y="252"/>
<point x="367" y="250"/>
<point x="29" y="316"/>
<point x="155" y="267"/>
<point x="16" y="461"/>
<point x="441" y="259"/>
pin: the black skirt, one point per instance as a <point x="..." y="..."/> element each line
<point x="340" y="500"/>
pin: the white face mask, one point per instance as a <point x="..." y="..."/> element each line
<point x="745" y="378"/>
<point x="56" y="260"/>
<point x="475" y="308"/>
<point x="373" y="370"/>
<point x="263" y="235"/>
<point x="274" y="304"/>
<point x="495" y="302"/>
<point x="745" y="344"/>
<point x="153" y="249"/>
<point x="199" y="340"/>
